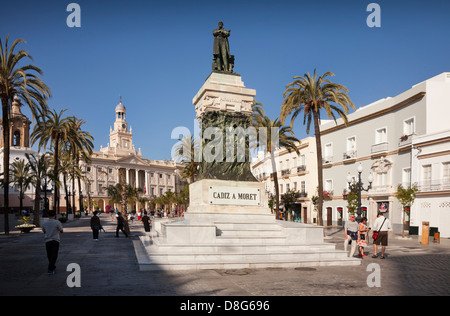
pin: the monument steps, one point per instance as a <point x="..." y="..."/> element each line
<point x="237" y="259"/>
<point x="157" y="255"/>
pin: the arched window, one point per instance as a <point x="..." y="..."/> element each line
<point x="16" y="138"/>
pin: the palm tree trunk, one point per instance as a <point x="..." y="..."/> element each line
<point x="66" y="192"/>
<point x="5" y="113"/>
<point x="275" y="182"/>
<point x="73" y="193"/>
<point x="37" y="200"/>
<point x="319" y="167"/>
<point x="55" y="174"/>
<point x="80" y="195"/>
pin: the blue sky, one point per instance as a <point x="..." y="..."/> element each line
<point x="157" y="54"/>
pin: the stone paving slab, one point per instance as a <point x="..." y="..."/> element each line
<point x="109" y="267"/>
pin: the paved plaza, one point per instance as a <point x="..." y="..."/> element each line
<point x="109" y="267"/>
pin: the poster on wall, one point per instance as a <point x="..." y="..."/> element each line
<point x="383" y="207"/>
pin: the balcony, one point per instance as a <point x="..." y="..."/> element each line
<point x="327" y="159"/>
<point x="285" y="172"/>
<point x="301" y="168"/>
<point x="434" y="185"/>
<point x="379" y="148"/>
<point x="301" y="194"/>
<point x="405" y="140"/>
<point x="350" y="154"/>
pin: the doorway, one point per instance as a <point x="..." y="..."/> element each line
<point x="329" y="216"/>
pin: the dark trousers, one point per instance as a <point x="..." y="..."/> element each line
<point x="52" y="253"/>
<point x="121" y="228"/>
<point x="95" y="233"/>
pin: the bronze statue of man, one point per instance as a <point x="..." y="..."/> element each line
<point x="223" y="61"/>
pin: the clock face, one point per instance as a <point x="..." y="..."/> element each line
<point x="123" y="125"/>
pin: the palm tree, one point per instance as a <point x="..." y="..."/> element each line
<point x="285" y="139"/>
<point x="185" y="152"/>
<point x="80" y="149"/>
<point x="20" y="176"/>
<point x="39" y="169"/>
<point x="55" y="129"/>
<point x="23" y="82"/>
<point x="314" y="95"/>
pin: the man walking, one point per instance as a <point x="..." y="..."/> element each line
<point x="52" y="229"/>
<point x="382" y="224"/>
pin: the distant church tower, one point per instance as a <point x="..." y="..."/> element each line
<point x="19" y="130"/>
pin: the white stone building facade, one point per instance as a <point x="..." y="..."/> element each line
<point x="296" y="172"/>
<point x="381" y="137"/>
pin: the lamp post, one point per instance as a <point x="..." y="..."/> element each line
<point x="359" y="188"/>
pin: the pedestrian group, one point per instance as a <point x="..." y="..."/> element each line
<point x="357" y="234"/>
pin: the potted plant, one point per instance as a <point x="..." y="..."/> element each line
<point x="26" y="227"/>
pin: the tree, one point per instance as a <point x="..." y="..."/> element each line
<point x="285" y="139"/>
<point x="352" y="199"/>
<point x="54" y="129"/>
<point x="80" y="146"/>
<point x="185" y="152"/>
<point x="24" y="83"/>
<point x="20" y="176"/>
<point x="314" y="95"/>
<point x="289" y="198"/>
<point x="39" y="169"/>
<point x="406" y="197"/>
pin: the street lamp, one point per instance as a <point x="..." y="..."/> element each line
<point x="359" y="188"/>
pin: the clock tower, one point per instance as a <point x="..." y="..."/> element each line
<point x="121" y="138"/>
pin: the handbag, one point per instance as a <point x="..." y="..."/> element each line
<point x="375" y="234"/>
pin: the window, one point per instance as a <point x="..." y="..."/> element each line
<point x="408" y="126"/>
<point x="328" y="157"/>
<point x="153" y="191"/>
<point x="281" y="189"/>
<point x="287" y="187"/>
<point x="329" y="185"/>
<point x="161" y="192"/>
<point x="406" y="177"/>
<point x="380" y="136"/>
<point x="446" y="171"/>
<point x="294" y="162"/>
<point x="446" y="175"/>
<point x="303" y="184"/>
<point x="382" y="179"/>
<point x="110" y="170"/>
<point x="351" y="144"/>
<point x="160" y="175"/>
<point x="426" y="174"/>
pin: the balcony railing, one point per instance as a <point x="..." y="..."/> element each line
<point x="285" y="172"/>
<point x="405" y="140"/>
<point x="327" y="159"/>
<point x="434" y="185"/>
<point x="301" y="168"/>
<point x="381" y="147"/>
<point x="349" y="154"/>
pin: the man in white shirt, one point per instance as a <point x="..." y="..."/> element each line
<point x="383" y="225"/>
<point x="52" y="229"/>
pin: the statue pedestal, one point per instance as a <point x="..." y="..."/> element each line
<point x="228" y="224"/>
<point x="224" y="92"/>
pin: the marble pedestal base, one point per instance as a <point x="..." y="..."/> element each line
<point x="226" y="236"/>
